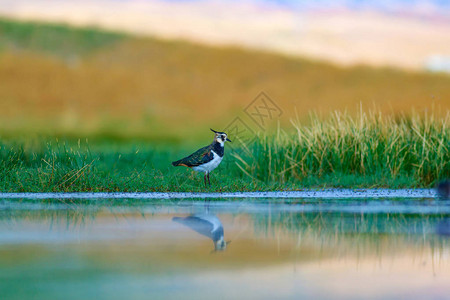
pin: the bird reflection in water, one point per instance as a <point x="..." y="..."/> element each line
<point x="208" y="225"/>
<point x="443" y="227"/>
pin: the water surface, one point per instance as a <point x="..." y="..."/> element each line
<point x="271" y="248"/>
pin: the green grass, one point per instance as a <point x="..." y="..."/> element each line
<point x="68" y="167"/>
<point x="54" y="39"/>
<point x="366" y="151"/>
<point x="382" y="150"/>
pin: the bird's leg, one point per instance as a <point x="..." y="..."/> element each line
<point x="204" y="177"/>
<point x="208" y="180"/>
<point x="207" y="202"/>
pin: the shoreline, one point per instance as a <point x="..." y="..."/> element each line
<point x="324" y="194"/>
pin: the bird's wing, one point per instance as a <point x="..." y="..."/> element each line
<point x="197" y="224"/>
<point x="212" y="219"/>
<point x="197" y="158"/>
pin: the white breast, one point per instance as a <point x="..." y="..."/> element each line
<point x="209" y="166"/>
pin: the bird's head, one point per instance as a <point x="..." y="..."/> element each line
<point x="221" y="245"/>
<point x="220" y="137"/>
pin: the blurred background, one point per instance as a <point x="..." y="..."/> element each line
<point x="162" y="70"/>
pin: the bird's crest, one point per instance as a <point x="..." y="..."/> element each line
<point x="220" y="137"/>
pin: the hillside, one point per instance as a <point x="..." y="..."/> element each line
<point x="63" y="81"/>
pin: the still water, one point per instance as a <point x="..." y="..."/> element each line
<point x="199" y="249"/>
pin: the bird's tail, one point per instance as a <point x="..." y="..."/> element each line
<point x="180" y="162"/>
<point x="176" y="163"/>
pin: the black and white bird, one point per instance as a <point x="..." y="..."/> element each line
<point x="208" y="225"/>
<point x="207" y="158"/>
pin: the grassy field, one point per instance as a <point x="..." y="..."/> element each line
<point x="367" y="151"/>
<point x="142" y="103"/>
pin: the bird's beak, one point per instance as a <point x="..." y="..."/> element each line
<point x="228" y="140"/>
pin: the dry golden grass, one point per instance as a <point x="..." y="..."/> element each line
<point x="143" y="87"/>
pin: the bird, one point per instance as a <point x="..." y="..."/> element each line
<point x="208" y="225"/>
<point x="207" y="158"/>
<point x="443" y="189"/>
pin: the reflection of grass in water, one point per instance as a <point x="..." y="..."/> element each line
<point x="33" y="271"/>
<point x="72" y="213"/>
<point x="350" y="233"/>
<point x="59" y="214"/>
<point x="306" y="235"/>
<point x="319" y="224"/>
